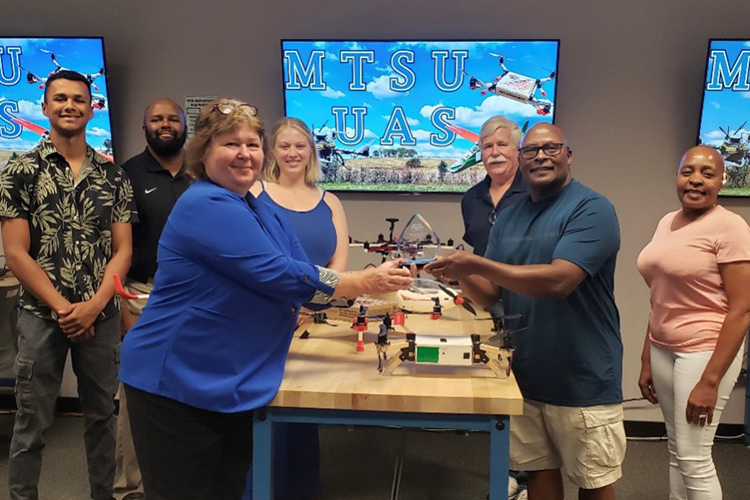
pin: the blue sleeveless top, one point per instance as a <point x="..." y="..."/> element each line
<point x="314" y="228"/>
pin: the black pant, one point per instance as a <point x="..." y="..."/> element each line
<point x="188" y="453"/>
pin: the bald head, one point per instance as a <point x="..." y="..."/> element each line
<point x="545" y="160"/>
<point x="165" y="103"/>
<point x="164" y="125"/>
<point x="703" y="154"/>
<point x="546" y="129"/>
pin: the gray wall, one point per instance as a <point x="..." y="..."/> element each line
<point x="629" y="89"/>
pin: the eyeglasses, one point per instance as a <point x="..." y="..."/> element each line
<point x="227" y="107"/>
<point x="550" y="149"/>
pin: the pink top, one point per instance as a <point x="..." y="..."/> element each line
<point x="681" y="269"/>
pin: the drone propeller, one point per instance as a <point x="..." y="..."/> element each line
<point x="503" y="337"/>
<point x="459" y="300"/>
<point x="741" y="126"/>
<point x="501" y="57"/>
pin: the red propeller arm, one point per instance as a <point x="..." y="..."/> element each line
<point x="124" y="293"/>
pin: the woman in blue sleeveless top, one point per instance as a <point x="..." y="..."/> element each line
<point x="317" y="216"/>
<point x="320" y="225"/>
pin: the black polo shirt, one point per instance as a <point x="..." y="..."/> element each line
<point x="155" y="192"/>
<point x="476" y="207"/>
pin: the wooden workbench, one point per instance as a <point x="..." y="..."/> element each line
<point x="327" y="381"/>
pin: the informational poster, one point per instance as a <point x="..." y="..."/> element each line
<point x="193" y="106"/>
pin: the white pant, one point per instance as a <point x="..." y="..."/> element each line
<point x="692" y="475"/>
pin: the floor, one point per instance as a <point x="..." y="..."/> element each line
<point x="358" y="465"/>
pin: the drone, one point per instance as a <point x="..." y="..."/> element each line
<point x="496" y="352"/>
<point x="329" y="154"/>
<point x="734" y="149"/>
<point x="425" y="296"/>
<point x="89" y="76"/>
<point x="515" y="86"/>
<point x="409" y="248"/>
<point x="32" y="78"/>
<point x="474" y="155"/>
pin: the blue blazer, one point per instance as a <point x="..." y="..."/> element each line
<point x="216" y="330"/>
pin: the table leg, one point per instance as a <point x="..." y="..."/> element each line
<point x="499" y="448"/>
<point x="262" y="457"/>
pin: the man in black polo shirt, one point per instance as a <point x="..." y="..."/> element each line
<point x="503" y="185"/>
<point x="158" y="180"/>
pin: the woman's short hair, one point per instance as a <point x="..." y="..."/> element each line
<point x="492" y="124"/>
<point x="271" y="170"/>
<point x="217" y="117"/>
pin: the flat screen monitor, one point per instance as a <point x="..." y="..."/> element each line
<point x="25" y="65"/>
<point x="726" y="110"/>
<point x="404" y="116"/>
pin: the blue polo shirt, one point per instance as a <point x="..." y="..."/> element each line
<point x="571" y="352"/>
<point x="217" y="327"/>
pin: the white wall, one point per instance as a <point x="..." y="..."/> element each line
<point x="629" y="89"/>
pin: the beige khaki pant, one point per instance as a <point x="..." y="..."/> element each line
<point x="128" y="474"/>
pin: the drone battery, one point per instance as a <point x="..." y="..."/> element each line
<point x="443" y="350"/>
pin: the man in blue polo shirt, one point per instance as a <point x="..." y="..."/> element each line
<point x="552" y="259"/>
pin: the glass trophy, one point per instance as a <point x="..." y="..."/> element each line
<point x="418" y="242"/>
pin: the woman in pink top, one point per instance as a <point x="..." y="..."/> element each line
<point x="697" y="267"/>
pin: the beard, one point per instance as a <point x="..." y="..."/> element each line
<point x="169" y="147"/>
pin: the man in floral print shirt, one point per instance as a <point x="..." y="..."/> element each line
<point x="66" y="214"/>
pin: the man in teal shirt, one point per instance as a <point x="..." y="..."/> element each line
<point x="552" y="259"/>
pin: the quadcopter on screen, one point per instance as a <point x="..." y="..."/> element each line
<point x="329" y="153"/>
<point x="520" y="88"/>
<point x="32" y="78"/>
<point x="734" y="149"/>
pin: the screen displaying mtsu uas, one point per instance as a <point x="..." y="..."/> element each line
<point x="726" y="110"/>
<point x="405" y="116"/>
<point x="25" y="66"/>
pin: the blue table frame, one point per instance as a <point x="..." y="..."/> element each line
<point x="264" y="418"/>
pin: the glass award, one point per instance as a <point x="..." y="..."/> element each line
<point x="418" y="242"/>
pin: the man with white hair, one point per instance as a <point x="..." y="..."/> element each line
<point x="503" y="185"/>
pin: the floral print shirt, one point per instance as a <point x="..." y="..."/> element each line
<point x="70" y="221"/>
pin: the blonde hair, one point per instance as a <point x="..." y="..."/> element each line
<point x="271" y="169"/>
<point x="493" y="123"/>
<point x="212" y="122"/>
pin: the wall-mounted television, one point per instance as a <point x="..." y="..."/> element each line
<point x="404" y="116"/>
<point x="725" y="115"/>
<point x="25" y="65"/>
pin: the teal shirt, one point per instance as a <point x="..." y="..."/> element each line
<point x="570" y="353"/>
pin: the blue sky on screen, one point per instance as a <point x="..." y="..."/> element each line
<point x="535" y="59"/>
<point x="83" y="55"/>
<point x="729" y="106"/>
